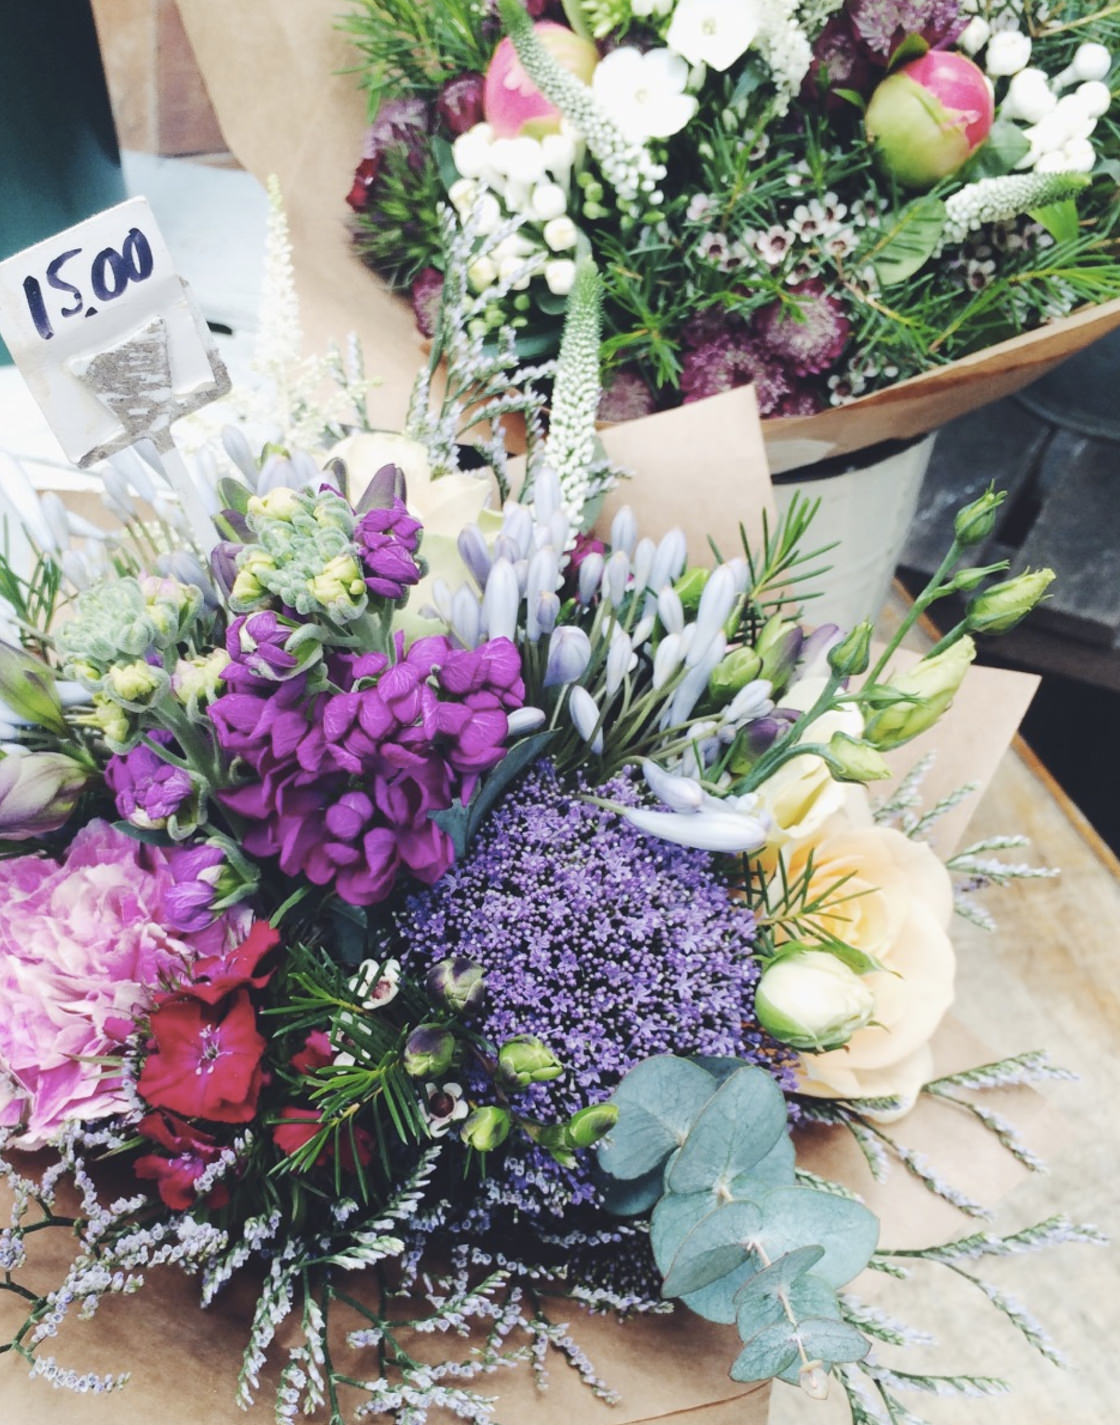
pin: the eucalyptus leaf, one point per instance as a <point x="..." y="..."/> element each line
<point x="717" y="1245"/>
<point x="910" y="242"/>
<point x="657" y="1102"/>
<point x="775" y="1170"/>
<point x="832" y="1341"/>
<point x="629" y="1197"/>
<point x="716" y="1302"/>
<point x="759" y="1300"/>
<point x="848" y="1232"/>
<point x="736" y="1129"/>
<point x="673" y="1219"/>
<point x="768" y="1353"/>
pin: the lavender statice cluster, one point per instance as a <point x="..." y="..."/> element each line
<point x="609" y="945"/>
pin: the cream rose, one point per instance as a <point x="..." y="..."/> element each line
<point x="802" y="795"/>
<point x="894" y="905"/>
<point x="443" y="504"/>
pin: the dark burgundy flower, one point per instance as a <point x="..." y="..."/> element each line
<point x="882" y="25"/>
<point x="298" y="1126"/>
<point x="427" y="292"/>
<point x="204" y="1061"/>
<point x="315" y="1054"/>
<point x="806" y="335"/>
<point x="459" y="104"/>
<point x="365" y="175"/>
<point x="840" y="61"/>
<point x="190" y="1150"/>
<point x="729" y="361"/>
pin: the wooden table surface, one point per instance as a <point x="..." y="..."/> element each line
<point x="1048" y="978"/>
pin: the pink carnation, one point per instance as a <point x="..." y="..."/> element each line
<point x="83" y="947"/>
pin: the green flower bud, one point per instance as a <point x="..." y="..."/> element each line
<point x="975" y="522"/>
<point x="930" y="686"/>
<point x="428" y="1051"/>
<point x="172" y="607"/>
<point x="1001" y="607"/>
<point x="965" y="580"/>
<point x="457" y="984"/>
<point x="136" y="685"/>
<point x="486" y="1128"/>
<point x="586" y="1127"/>
<point x="738" y="668"/>
<point x="250" y="588"/>
<point x="526" y="1060"/>
<point x="778" y="645"/>
<point x="852" y="654"/>
<point x="851" y="760"/>
<point x="339" y="582"/>
<point x="111" y="720"/>
<point x="27" y="687"/>
<point x="553" y="1138"/>
<point x="690" y="586"/>
<point x="38" y="791"/>
<point x="197" y="680"/>
<point x="279" y="504"/>
<point x="811" y="1000"/>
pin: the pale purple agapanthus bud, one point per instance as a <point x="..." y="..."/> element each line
<point x="678" y="793"/>
<point x="585" y="717"/>
<point x="475" y="553"/>
<point x="569" y="652"/>
<point x="730" y="828"/>
<point x="501" y="601"/>
<point x="38" y="792"/>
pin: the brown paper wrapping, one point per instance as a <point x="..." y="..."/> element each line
<point x="282" y="81"/>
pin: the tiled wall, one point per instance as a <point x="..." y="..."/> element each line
<point x="159" y="99"/>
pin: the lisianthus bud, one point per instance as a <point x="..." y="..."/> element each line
<point x="932" y="684"/>
<point x="586" y="1127"/>
<point x="851" y="760"/>
<point x="511" y="101"/>
<point x="27" y="687"/>
<point x="811" y="1000"/>
<point x="526" y="1060"/>
<point x="733" y="672"/>
<point x="1001" y="607"/>
<point x="487" y="1128"/>
<point x="927" y="118"/>
<point x="974" y="522"/>
<point x="458" y="984"/>
<point x="38" y="791"/>
<point x="852" y="654"/>
<point x="690" y="586"/>
<point x="428" y="1051"/>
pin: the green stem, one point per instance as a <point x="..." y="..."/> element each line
<point x="931" y="592"/>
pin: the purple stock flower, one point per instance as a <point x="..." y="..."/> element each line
<point x="344" y="782"/>
<point x="388" y="538"/>
<point x="608" y="945"/>
<point x="147" y="789"/>
<point x="257" y="646"/>
<point x="188" y="903"/>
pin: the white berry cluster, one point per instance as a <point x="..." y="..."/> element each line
<point x="1058" y="124"/>
<point x="525" y="178"/>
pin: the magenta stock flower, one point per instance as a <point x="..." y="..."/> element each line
<point x="388" y="539"/>
<point x="345" y="782"/>
<point x="85" y="945"/>
<point x="149" y="790"/>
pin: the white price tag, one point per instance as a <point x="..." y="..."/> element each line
<point x="106" y="333"/>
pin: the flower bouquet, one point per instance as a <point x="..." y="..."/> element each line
<point x="413" y="986"/>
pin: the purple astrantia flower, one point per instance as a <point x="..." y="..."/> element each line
<point x="608" y="945"/>
<point x="882" y="25"/>
<point x="733" y="359"/>
<point x="808" y="340"/>
<point x="426" y="293"/>
<point x="147" y="789"/>
<point x="344" y="782"/>
<point x="387" y="540"/>
<point x="626" y="397"/>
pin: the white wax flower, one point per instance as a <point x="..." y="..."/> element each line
<point x="548" y="200"/>
<point x="1008" y="52"/>
<point x="975" y="35"/>
<point x="1029" y="97"/>
<point x="471" y="151"/>
<point x="642" y="9"/>
<point x="560" y="234"/>
<point x="1076" y="120"/>
<point x="713" y="32"/>
<point x="558" y="152"/>
<point x="559" y="274"/>
<point x="1094" y="97"/>
<point x="644" y="93"/>
<point x="515" y="245"/>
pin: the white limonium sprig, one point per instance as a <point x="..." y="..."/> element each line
<point x="570" y="451"/>
<point x="626" y="164"/>
<point x="994" y="200"/>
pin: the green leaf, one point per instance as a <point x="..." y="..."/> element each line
<point x="150" y="836"/>
<point x="1059" y="219"/>
<point x="910" y="47"/>
<point x="574" y="12"/>
<point x="717" y="1245"/>
<point x="910" y="242"/>
<point x="759" y="1300"/>
<point x="848" y="1231"/>
<point x="807" y="1296"/>
<point x="1005" y="145"/>
<point x="775" y="1170"/>
<point x="673" y="1219"/>
<point x="233" y="495"/>
<point x="461" y="822"/>
<point x="853" y="97"/>
<point x="751" y="79"/>
<point x="627" y="1197"/>
<point x="657" y="1103"/>
<point x="736" y="1129"/>
<point x="768" y="1353"/>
